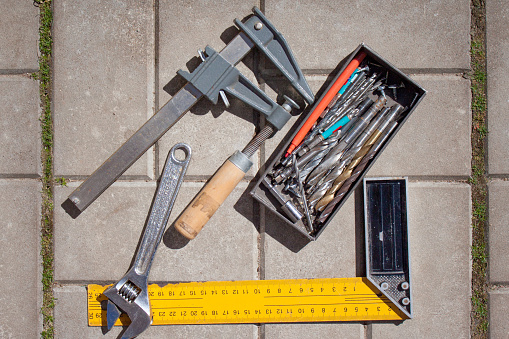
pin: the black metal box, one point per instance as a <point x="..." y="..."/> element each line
<point x="399" y="88"/>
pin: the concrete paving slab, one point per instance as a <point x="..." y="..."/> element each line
<point x="213" y="131"/>
<point x="499" y="308"/>
<point x="288" y="255"/>
<point x="435" y="140"/>
<point x="99" y="245"/>
<point x="314" y="331"/>
<point x="103" y="76"/>
<point x="20" y="137"/>
<point x="415" y="34"/>
<point x="186" y="27"/>
<point x="71" y="318"/>
<point x="498" y="194"/>
<point x="19" y="23"/>
<point x="20" y="287"/>
<point x="439" y="221"/>
<point x="497" y="56"/>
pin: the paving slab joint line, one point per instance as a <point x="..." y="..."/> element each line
<point x="501" y="177"/>
<point x="437" y="179"/>
<point x="413" y="71"/>
<point x="85" y="283"/>
<point x="260" y="208"/>
<point x="156" y="80"/>
<point x="27" y="72"/>
<point x="499" y="288"/>
<point x="368" y="331"/>
<point x="143" y="178"/>
<point x="19" y="176"/>
<point x="46" y="123"/>
<point x="479" y="326"/>
<point x="122" y="178"/>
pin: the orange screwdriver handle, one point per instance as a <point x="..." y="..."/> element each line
<point x="343" y="78"/>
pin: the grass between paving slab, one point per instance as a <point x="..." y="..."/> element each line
<point x="478" y="179"/>
<point x="44" y="77"/>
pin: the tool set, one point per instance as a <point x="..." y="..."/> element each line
<point x="306" y="184"/>
<point x="383" y="295"/>
<point x="344" y="133"/>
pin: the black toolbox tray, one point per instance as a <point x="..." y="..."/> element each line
<point x="409" y="94"/>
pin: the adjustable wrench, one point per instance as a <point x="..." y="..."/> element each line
<point x="130" y="294"/>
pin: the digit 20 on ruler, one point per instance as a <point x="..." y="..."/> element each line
<point x="258" y="301"/>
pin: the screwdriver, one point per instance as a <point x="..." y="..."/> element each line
<point x="325" y="101"/>
<point x="222" y="183"/>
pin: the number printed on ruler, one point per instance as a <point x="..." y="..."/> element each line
<point x="258" y="301"/>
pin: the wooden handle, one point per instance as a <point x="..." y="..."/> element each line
<point x="208" y="200"/>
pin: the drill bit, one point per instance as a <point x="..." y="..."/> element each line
<point x="284" y="173"/>
<point x="333" y="141"/>
<point x="304" y="200"/>
<point x="357" y="78"/>
<point x="356" y="172"/>
<point x="352" y="100"/>
<point x="337" y="152"/>
<point x="308" y="167"/>
<point x="329" y="144"/>
<point x="329" y="180"/>
<point x="352" y="112"/>
<point x="350" y="115"/>
<point x="346" y="92"/>
<point x="309" y="158"/>
<point x="366" y="146"/>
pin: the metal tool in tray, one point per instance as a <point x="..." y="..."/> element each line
<point x="350" y="130"/>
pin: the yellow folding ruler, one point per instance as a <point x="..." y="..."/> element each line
<point x="258" y="301"/>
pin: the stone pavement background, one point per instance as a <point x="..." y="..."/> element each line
<point x="20" y="168"/>
<point x="112" y="62"/>
<point x="497" y="53"/>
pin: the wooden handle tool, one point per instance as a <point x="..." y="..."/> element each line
<point x="212" y="195"/>
<point x="222" y="183"/>
<point x="217" y="189"/>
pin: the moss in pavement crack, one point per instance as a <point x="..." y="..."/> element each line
<point x="44" y="77"/>
<point x="478" y="179"/>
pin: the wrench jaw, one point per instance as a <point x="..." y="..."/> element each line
<point x="129" y="295"/>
